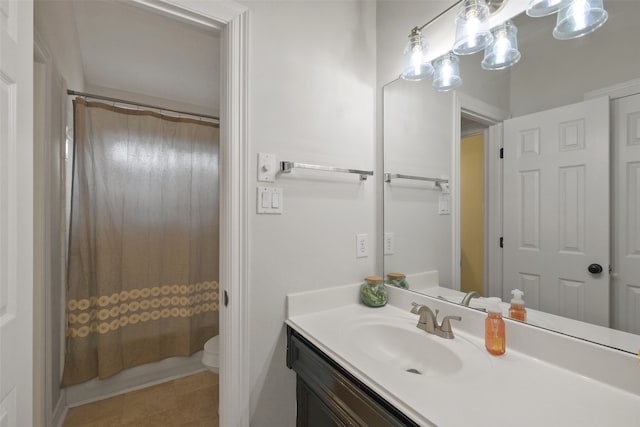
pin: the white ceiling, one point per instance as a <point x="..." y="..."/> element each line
<point x="127" y="48"/>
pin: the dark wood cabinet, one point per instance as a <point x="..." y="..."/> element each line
<point x="327" y="395"/>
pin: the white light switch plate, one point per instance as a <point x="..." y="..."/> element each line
<point x="443" y="204"/>
<point x="269" y="200"/>
<point x="266" y="167"/>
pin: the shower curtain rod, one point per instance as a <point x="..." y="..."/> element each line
<point x="138" y="104"/>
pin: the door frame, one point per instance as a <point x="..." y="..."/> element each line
<point x="490" y="115"/>
<point x="614" y="92"/>
<point x="232" y="19"/>
<point x="41" y="396"/>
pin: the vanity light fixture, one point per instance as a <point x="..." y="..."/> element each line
<point x="416" y="67"/>
<point x="537" y="8"/>
<point x="580" y="18"/>
<point x="503" y="51"/>
<point x="472" y="34"/>
<point x="576" y="18"/>
<point x="447" y="73"/>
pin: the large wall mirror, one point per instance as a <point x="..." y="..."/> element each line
<point x="564" y="201"/>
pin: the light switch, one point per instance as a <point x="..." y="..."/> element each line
<point x="443" y="204"/>
<point x="265" y="195"/>
<point x="269" y="200"/>
<point x="266" y="167"/>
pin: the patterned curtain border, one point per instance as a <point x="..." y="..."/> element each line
<point x="107" y="313"/>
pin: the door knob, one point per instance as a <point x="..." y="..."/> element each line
<point x="595" y="268"/>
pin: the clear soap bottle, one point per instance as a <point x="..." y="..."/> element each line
<point x="494" y="329"/>
<point x="517" y="310"/>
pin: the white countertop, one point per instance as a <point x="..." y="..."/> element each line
<point x="516" y="389"/>
<point x="595" y="333"/>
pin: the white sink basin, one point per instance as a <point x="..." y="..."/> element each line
<point x="399" y="345"/>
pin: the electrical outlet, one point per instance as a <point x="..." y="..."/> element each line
<point x="362" y="245"/>
<point x="388" y="243"/>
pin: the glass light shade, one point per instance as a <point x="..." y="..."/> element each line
<point x="537" y="8"/>
<point x="416" y="67"/>
<point x="579" y="19"/>
<point x="446" y="73"/>
<point x="503" y="51"/>
<point x="472" y="34"/>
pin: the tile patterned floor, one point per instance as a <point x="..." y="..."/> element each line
<point x="186" y="402"/>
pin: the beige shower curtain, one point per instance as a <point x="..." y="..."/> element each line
<point x="143" y="256"/>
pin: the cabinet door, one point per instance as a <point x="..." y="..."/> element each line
<point x="312" y="411"/>
<point x="329" y="396"/>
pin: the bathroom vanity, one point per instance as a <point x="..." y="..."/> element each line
<point x="328" y="395"/>
<point x="357" y="365"/>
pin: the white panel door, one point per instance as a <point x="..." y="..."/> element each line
<point x="16" y="212"/>
<point x="556" y="210"/>
<point x="626" y="211"/>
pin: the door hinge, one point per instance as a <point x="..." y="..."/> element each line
<point x="502" y="152"/>
<point x="501" y="242"/>
<point x="226" y="298"/>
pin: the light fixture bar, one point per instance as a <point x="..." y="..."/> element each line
<point x="439" y="15"/>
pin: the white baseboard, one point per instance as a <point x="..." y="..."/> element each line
<point x="134" y="379"/>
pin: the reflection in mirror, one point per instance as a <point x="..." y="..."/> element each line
<point x="565" y="198"/>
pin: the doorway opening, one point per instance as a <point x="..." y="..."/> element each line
<point x="230" y="19"/>
<point x="472" y="205"/>
<point x="478" y="197"/>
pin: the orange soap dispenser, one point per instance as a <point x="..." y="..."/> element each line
<point x="494" y="329"/>
<point x="517" y="310"/>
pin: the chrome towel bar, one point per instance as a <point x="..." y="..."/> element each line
<point x="287" y="166"/>
<point x="438" y="181"/>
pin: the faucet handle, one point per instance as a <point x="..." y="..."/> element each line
<point x="446" y="324"/>
<point x="415" y="307"/>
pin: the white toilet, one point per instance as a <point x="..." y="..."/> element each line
<point x="211" y="354"/>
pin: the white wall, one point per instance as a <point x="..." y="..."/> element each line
<point x="491" y="87"/>
<point x="56" y="35"/>
<point x="54" y="22"/>
<point x="553" y="73"/>
<point x="312" y="97"/>
<point x="55" y="25"/>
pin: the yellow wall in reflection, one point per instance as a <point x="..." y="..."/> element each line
<point x="472" y="213"/>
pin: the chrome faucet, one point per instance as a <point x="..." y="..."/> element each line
<point x="428" y="321"/>
<point x="467" y="298"/>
